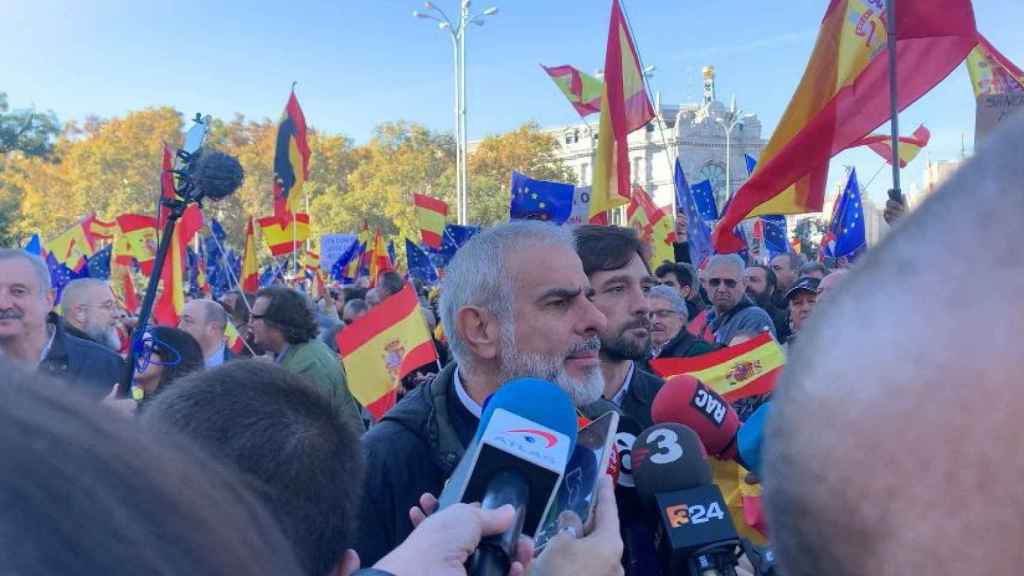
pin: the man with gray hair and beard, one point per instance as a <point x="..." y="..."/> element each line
<point x="89" y="311"/>
<point x="515" y="302"/>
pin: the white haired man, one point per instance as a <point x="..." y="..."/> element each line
<point x="514" y="302"/>
<point x="89" y="310"/>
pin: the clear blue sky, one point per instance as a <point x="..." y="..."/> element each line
<point x="362" y="62"/>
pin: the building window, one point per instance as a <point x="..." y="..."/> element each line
<point x="585" y="174"/>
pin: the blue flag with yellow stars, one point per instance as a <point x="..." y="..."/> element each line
<point x="540" y="199"/>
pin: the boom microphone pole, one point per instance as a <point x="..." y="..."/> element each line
<point x="200" y="174"/>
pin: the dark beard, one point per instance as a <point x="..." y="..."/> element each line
<point x="623" y="348"/>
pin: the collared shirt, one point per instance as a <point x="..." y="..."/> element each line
<point x="621" y="394"/>
<point x="464" y="397"/>
<point x="279" y="357"/>
<point x="215" y="359"/>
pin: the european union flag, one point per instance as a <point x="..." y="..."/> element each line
<point x="420" y="266"/>
<point x="99" y="264"/>
<point x="697" y="230"/>
<point x="540" y="199"/>
<point x="354" y="250"/>
<point x="751" y="163"/>
<point x="453" y="238"/>
<point x="775" y="235"/>
<point x="61" y="275"/>
<point x="271" y="273"/>
<point x="846" y="236"/>
<point x="704" y="196"/>
<point x="391" y="253"/>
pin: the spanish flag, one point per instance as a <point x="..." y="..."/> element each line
<point x="625" y="107"/>
<point x="291" y="158"/>
<point x="431" y="215"/>
<point x="735" y="372"/>
<point x="233" y="338"/>
<point x="73" y="246"/>
<point x="284" y="234"/>
<point x="136" y="241"/>
<point x="100" y="229"/>
<point x="379" y="260"/>
<point x="654" y="225"/>
<point x="311" y="261"/>
<point x="992" y="73"/>
<point x="909" y="146"/>
<point x="382" y="347"/>
<point x="250" y="270"/>
<point x="844" y="95"/>
<point x="582" y="90"/>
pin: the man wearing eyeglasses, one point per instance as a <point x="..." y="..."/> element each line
<point x="732" y="311"/>
<point x="90" y="311"/>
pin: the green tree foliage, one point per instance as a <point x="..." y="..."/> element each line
<point x="527" y="150"/>
<point x="23" y="134"/>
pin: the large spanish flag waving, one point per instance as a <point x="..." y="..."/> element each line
<point x="991" y="72"/>
<point x="286" y="233"/>
<point x="382" y="347"/>
<point x="291" y="158"/>
<point x="136" y="241"/>
<point x="735" y="372"/>
<point x="625" y="107"/>
<point x="844" y="95"/>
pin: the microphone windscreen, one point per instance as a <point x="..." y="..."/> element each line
<point x="216" y="175"/>
<point x="625" y="437"/>
<point x="535" y="400"/>
<point x="669" y="457"/>
<point x="685" y="400"/>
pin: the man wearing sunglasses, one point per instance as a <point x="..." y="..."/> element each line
<point x="732" y="311"/>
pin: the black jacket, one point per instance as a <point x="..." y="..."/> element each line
<point x="85" y="365"/>
<point x="643" y="387"/>
<point x="685" y="345"/>
<point x="412" y="450"/>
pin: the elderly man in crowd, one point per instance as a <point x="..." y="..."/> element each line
<point x="733" y="313"/>
<point x="90" y="311"/>
<point x="668" y="326"/>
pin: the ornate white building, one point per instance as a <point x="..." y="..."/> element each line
<point x="696" y="133"/>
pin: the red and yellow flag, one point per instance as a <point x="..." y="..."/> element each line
<point x="654" y="225"/>
<point x="311" y="261"/>
<point x="382" y="347"/>
<point x="909" y="147"/>
<point x="285" y="234"/>
<point x="844" y="95"/>
<point x="136" y="241"/>
<point x="991" y="72"/>
<point x="101" y="229"/>
<point x="582" y="90"/>
<point x="432" y="216"/>
<point x="625" y="107"/>
<point x="250" y="271"/>
<point x="73" y="246"/>
<point x="735" y="372"/>
<point x="233" y="338"/>
<point x="291" y="158"/>
<point x="379" y="260"/>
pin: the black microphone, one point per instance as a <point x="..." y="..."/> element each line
<point x="639" y="556"/>
<point x="696" y="535"/>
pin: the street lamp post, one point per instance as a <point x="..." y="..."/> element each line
<point x="457" y="32"/>
<point x="728" y="122"/>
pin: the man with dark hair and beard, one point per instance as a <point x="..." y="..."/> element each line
<point x="515" y="302"/>
<point x="613" y="260"/>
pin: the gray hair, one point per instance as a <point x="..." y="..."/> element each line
<point x="76" y="289"/>
<point x="727" y="260"/>
<point x="672" y="296"/>
<point x="41" y="269"/>
<point x="478" y="275"/>
<point x="214" y="312"/>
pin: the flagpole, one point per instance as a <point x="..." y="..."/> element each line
<point x="231" y="275"/>
<point x="669" y="159"/>
<point x="895" y="193"/>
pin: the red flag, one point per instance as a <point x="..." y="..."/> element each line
<point x="172" y="277"/>
<point x="909" y="147"/>
<point x="250" y="271"/>
<point x="131" y="299"/>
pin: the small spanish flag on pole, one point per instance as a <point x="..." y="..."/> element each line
<point x="382" y="347"/>
<point x="431" y="215"/>
<point x="735" y="372"/>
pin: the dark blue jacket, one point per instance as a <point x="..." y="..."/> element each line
<point x="85" y="365"/>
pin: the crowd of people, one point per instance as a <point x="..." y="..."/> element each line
<point x="262" y="460"/>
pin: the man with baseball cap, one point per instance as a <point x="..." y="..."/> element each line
<point x="801" y="298"/>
